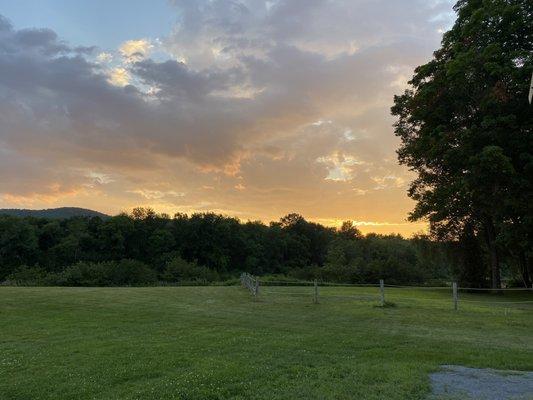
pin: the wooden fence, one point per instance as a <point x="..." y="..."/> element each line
<point x="310" y="289"/>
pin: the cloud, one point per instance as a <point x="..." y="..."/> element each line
<point x="156" y="194"/>
<point x="119" y="76"/>
<point x="99" y="178"/>
<point x="275" y="106"/>
<point x="104" y="57"/>
<point x="135" y="50"/>
<point x="339" y="166"/>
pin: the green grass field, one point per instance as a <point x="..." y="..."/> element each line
<point x="217" y="343"/>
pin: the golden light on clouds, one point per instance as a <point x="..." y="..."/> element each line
<point x="269" y="110"/>
<point x="135" y="49"/>
<point x="119" y="77"/>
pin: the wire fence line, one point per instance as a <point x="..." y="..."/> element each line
<point x="317" y="291"/>
<point x="336" y="284"/>
<point x="462" y="288"/>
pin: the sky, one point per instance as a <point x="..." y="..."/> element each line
<point x="249" y="108"/>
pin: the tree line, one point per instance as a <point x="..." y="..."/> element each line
<point x="144" y="247"/>
<point x="466" y="130"/>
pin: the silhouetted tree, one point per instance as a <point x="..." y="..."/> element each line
<point x="467" y="130"/>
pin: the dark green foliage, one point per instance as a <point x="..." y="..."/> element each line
<point x="123" y="273"/>
<point x="84" y="274"/>
<point x="145" y="248"/>
<point x="132" y="272"/>
<point x="467" y="130"/>
<point x="471" y="267"/>
<point x="27" y="276"/>
<point x="374" y="257"/>
<point x="18" y="244"/>
<point x="180" y="271"/>
<point x="108" y="273"/>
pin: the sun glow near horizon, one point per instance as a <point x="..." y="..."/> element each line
<point x="212" y="107"/>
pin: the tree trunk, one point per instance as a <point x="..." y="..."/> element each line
<point x="523" y="262"/>
<point x="490" y="239"/>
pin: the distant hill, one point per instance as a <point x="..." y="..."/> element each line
<point x="59" y="213"/>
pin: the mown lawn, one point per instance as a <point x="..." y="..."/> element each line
<point x="217" y="343"/>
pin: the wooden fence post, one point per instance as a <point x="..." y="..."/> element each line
<point x="256" y="289"/>
<point x="316" y="292"/>
<point x="455" y="299"/>
<point x="382" y="292"/>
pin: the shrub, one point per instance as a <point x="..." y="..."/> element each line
<point x="27" y="276"/>
<point x="132" y="272"/>
<point x="126" y="272"/>
<point x="340" y="273"/>
<point x="180" y="270"/>
<point x="83" y="274"/>
<point x="305" y="273"/>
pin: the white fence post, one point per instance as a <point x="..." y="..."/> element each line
<point x="382" y="292"/>
<point x="316" y="292"/>
<point x="455" y="299"/>
<point x="256" y="289"/>
<point x="250" y="283"/>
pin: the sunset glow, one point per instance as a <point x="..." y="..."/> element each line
<point x="253" y="109"/>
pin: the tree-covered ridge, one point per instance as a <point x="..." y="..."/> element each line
<point x="466" y="129"/>
<point x="60" y="212"/>
<point x="145" y="248"/>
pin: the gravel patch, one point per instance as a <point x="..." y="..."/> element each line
<point x="457" y="382"/>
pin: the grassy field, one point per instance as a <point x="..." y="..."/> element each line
<point x="217" y="343"/>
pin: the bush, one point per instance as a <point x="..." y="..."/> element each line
<point x="27" y="276"/>
<point x="83" y="274"/>
<point x="132" y="272"/>
<point x="180" y="270"/>
<point x="305" y="273"/>
<point x="340" y="273"/>
<point x="126" y="272"/>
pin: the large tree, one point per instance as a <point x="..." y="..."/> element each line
<point x="466" y="129"/>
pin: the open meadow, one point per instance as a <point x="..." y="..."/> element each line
<point x="218" y="343"/>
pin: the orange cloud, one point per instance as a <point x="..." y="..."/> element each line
<point x="254" y="114"/>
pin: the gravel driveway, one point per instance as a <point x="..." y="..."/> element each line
<point x="456" y="382"/>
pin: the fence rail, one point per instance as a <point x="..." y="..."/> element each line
<point x="384" y="293"/>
